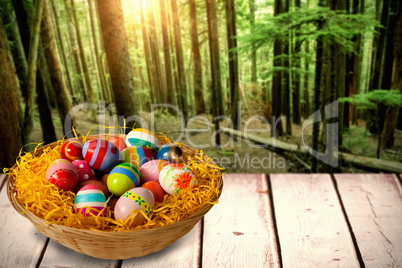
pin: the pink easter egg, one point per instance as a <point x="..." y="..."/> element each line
<point x="63" y="174"/>
<point x="85" y="172"/>
<point x="151" y="169"/>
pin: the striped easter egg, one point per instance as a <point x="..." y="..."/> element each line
<point x="122" y="178"/>
<point x="101" y="154"/>
<point x="71" y="150"/>
<point x="137" y="155"/>
<point x="143" y="137"/>
<point x="90" y="199"/>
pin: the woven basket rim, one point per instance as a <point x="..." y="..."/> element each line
<point x="34" y="218"/>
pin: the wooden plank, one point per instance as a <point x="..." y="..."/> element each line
<point x="311" y="226"/>
<point x="185" y="252"/>
<point x="373" y="204"/>
<point x="57" y="255"/>
<point x="21" y="244"/>
<point x="238" y="231"/>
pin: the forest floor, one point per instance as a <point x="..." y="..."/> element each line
<point x="235" y="155"/>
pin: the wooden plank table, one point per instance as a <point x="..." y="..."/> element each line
<point x="279" y="220"/>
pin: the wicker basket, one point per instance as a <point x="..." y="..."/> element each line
<point x="114" y="245"/>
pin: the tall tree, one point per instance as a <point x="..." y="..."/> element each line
<point x="253" y="49"/>
<point x="115" y="42"/>
<point x="296" y="77"/>
<point x="182" y="90"/>
<point x="87" y="76"/>
<point x="10" y="117"/>
<point x="32" y="67"/>
<point x="197" y="69"/>
<point x="277" y="129"/>
<point x="233" y="61"/>
<point x="166" y="53"/>
<point x="55" y="69"/>
<point x="287" y="76"/>
<point x="148" y="61"/>
<point x="357" y="67"/>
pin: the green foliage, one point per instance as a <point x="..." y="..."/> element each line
<point x="370" y="100"/>
<point x="339" y="27"/>
<point x="357" y="139"/>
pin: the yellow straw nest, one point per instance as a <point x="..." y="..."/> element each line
<point x="30" y="188"/>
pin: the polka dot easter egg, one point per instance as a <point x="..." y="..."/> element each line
<point x="85" y="172"/>
<point x="122" y="178"/>
<point x="143" y="137"/>
<point x="63" y="174"/>
<point x="137" y="198"/>
<point x="101" y="154"/>
<point x="90" y="199"/>
<point x="170" y="152"/>
<point x="175" y="177"/>
<point x="137" y="155"/>
<point x="72" y="150"/>
<point x="150" y="170"/>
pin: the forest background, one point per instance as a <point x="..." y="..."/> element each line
<point x="259" y="69"/>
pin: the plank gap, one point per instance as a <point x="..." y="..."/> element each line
<point x="42" y="253"/>
<point x="271" y="203"/>
<point x="201" y="243"/>
<point x="352" y="234"/>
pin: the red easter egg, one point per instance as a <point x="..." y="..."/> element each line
<point x="72" y="150"/>
<point x="63" y="174"/>
<point x="85" y="172"/>
<point x="119" y="142"/>
<point x="101" y="154"/>
<point x="156" y="189"/>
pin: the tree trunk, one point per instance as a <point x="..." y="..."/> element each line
<point x="182" y="90"/>
<point x="287" y="76"/>
<point x="10" y="117"/>
<point x="148" y="61"/>
<point x="253" y="49"/>
<point x="233" y="62"/>
<point x="166" y="54"/>
<point x="115" y="41"/>
<point x="306" y="95"/>
<point x="153" y="41"/>
<point x="87" y="76"/>
<point x="277" y="129"/>
<point x="197" y="71"/>
<point x="317" y="91"/>
<point x="55" y="70"/>
<point x="32" y="67"/>
<point x="296" y="77"/>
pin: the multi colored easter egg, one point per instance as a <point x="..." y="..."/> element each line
<point x="156" y="190"/>
<point x="137" y="155"/>
<point x="90" y="200"/>
<point x="63" y="174"/>
<point x="132" y="200"/>
<point x="175" y="177"/>
<point x="143" y="137"/>
<point x="151" y="169"/>
<point x="101" y="154"/>
<point x="170" y="152"/>
<point x="72" y="150"/>
<point x="119" y="142"/>
<point x="122" y="178"/>
<point x="85" y="172"/>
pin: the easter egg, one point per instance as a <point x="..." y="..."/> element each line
<point x="170" y="152"/>
<point x="63" y="174"/>
<point x="112" y="203"/>
<point x="101" y="154"/>
<point x="122" y="178"/>
<point x="175" y="177"/>
<point x="143" y="137"/>
<point x="156" y="190"/>
<point x="150" y="170"/>
<point x="96" y="183"/>
<point x="85" y="172"/>
<point x="137" y="198"/>
<point x="90" y="199"/>
<point x="137" y="155"/>
<point x="104" y="178"/>
<point x="72" y="150"/>
<point x="119" y="142"/>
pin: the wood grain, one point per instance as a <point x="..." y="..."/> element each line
<point x="20" y="243"/>
<point x="312" y="229"/>
<point x="185" y="252"/>
<point x="373" y="203"/>
<point x="238" y="231"/>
